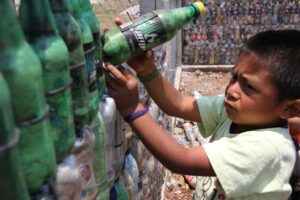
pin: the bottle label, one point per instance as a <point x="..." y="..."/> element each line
<point x="91" y="68"/>
<point x="144" y="33"/>
<point x="98" y="54"/>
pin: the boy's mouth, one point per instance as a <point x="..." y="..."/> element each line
<point x="228" y="105"/>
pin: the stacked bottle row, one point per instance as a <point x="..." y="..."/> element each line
<point x="48" y="63"/>
<point x="72" y="142"/>
<point x="228" y="24"/>
<point x="132" y="172"/>
<point x="147" y="172"/>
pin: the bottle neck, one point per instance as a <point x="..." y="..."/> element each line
<point x="10" y="31"/>
<point x="59" y="5"/>
<point x="74" y="8"/>
<point x="37" y="18"/>
<point x="85" y="4"/>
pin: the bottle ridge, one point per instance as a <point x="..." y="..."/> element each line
<point x="89" y="50"/>
<point x="22" y="71"/>
<point x="94" y="23"/>
<point x="41" y="32"/>
<point x="11" y="179"/>
<point x="69" y="30"/>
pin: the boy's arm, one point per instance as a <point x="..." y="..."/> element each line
<point x="162" y="92"/>
<point x="164" y="147"/>
<point x="169" y="99"/>
<point x="122" y="86"/>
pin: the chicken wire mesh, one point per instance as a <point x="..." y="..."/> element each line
<point x="107" y="11"/>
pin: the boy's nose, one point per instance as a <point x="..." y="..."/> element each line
<point x="230" y="97"/>
<point x="232" y="93"/>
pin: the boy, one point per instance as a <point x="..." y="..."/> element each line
<point x="251" y="154"/>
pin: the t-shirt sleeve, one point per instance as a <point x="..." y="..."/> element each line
<point x="212" y="113"/>
<point x="244" y="164"/>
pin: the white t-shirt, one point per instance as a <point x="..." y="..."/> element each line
<point x="252" y="165"/>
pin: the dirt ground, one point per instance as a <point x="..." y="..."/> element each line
<point x="205" y="83"/>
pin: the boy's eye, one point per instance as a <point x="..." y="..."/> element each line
<point x="249" y="87"/>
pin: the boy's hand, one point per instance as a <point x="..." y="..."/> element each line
<point x="123" y="87"/>
<point x="143" y="64"/>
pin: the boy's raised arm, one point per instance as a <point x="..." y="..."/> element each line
<point x="168" y="98"/>
<point x="122" y="86"/>
<point x="174" y="156"/>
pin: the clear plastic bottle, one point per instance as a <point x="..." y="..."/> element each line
<point x="99" y="157"/>
<point x="108" y="111"/>
<point x="119" y="139"/>
<point x="67" y="183"/>
<point x="131" y="166"/>
<point x="84" y="151"/>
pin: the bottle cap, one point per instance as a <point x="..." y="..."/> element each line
<point x="200" y="7"/>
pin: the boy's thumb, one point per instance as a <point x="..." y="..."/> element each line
<point x="118" y="21"/>
<point x="149" y="54"/>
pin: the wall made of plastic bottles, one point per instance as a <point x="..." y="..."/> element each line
<point x="105" y="160"/>
<point x="216" y="38"/>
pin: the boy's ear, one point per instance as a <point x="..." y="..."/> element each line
<point x="291" y="109"/>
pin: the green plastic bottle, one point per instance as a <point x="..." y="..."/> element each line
<point x="70" y="31"/>
<point x="146" y="32"/>
<point x="89" y="49"/>
<point x="99" y="157"/>
<point x="22" y="71"/>
<point x="93" y="21"/>
<point x="41" y="32"/>
<point x="122" y="192"/>
<point x="12" y="183"/>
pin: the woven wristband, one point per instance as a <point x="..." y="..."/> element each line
<point x="136" y="114"/>
<point x="149" y="77"/>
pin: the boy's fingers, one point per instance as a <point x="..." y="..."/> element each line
<point x="127" y="74"/>
<point x="117" y="75"/>
<point x="149" y="54"/>
<point x="110" y="82"/>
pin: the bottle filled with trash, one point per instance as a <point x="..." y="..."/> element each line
<point x="19" y="66"/>
<point x="146" y="32"/>
<point x="11" y="179"/>
<point x="42" y="34"/>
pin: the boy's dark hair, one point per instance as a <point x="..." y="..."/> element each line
<point x="279" y="51"/>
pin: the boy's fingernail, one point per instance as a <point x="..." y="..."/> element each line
<point x="106" y="66"/>
<point x="121" y="66"/>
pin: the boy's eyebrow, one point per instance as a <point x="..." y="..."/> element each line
<point x="249" y="81"/>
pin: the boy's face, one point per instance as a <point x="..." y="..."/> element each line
<point x="251" y="97"/>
